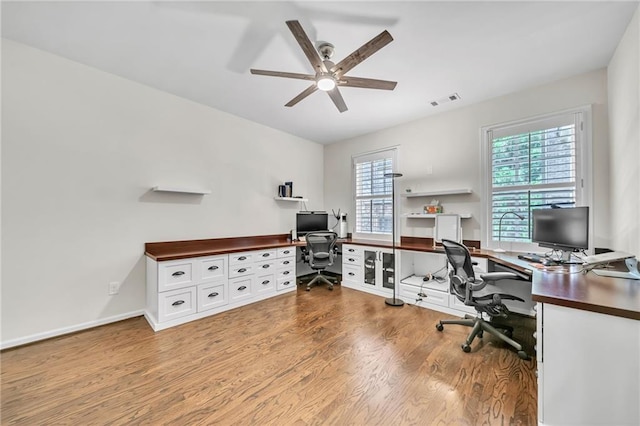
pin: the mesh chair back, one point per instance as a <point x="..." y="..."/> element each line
<point x="320" y="246"/>
<point x="460" y="260"/>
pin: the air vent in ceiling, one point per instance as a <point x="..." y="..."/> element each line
<point x="452" y="97"/>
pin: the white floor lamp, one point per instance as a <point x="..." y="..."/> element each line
<point x="393" y="301"/>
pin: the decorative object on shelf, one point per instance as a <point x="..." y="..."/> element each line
<point x="282" y="191"/>
<point x="500" y="249"/>
<point x="181" y="190"/>
<point x="433" y="207"/>
<point x="288" y="189"/>
<point x="393" y="301"/>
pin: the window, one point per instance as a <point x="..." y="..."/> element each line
<point x="538" y="163"/>
<point x="374" y="194"/>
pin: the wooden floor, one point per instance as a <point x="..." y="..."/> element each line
<point x="338" y="357"/>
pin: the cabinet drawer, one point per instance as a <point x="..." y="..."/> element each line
<point x="352" y="273"/>
<point x="241" y="258"/>
<point x="348" y="250"/>
<point x="240" y="270"/>
<point x="289" y="273"/>
<point x="286" y="262"/>
<point x="285" y="283"/>
<point x="241" y="288"/>
<point x="175" y="274"/>
<point x="265" y="267"/>
<point x="212" y="268"/>
<point x="351" y="259"/>
<point x="212" y="295"/>
<point x="177" y="303"/>
<point x="434" y="297"/>
<point x="265" y="283"/>
<point x="287" y="252"/>
<point x="259" y="256"/>
<point x="454" y="303"/>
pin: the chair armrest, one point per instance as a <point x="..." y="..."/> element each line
<point x="495" y="276"/>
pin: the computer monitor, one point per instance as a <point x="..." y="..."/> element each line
<point x="564" y="229"/>
<point x="311" y="221"/>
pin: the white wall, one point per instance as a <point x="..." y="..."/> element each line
<point x="450" y="144"/>
<point x="624" y="119"/>
<point x="81" y="150"/>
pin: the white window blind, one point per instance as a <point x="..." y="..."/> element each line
<point x="535" y="164"/>
<point x="373" y="193"/>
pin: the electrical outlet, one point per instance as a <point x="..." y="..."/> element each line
<point x="114" y="288"/>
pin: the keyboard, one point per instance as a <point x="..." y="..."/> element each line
<point x="611" y="256"/>
<point x="531" y="257"/>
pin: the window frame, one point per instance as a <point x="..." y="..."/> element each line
<point x="584" y="166"/>
<point x="370" y="156"/>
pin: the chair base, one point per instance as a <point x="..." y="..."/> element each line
<point x="319" y="278"/>
<point x="478" y="327"/>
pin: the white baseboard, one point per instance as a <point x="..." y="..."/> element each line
<point x="66" y="330"/>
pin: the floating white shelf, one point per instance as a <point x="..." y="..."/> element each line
<point x="436" y="193"/>
<point x="181" y="190"/>
<point x="290" y="199"/>
<point x="433" y="215"/>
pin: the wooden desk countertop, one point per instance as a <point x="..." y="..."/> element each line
<point x="563" y="286"/>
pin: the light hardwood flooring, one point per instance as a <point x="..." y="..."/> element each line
<point x="322" y="357"/>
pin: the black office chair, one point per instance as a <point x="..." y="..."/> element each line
<point x="464" y="284"/>
<point x="320" y="255"/>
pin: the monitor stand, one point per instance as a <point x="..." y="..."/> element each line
<point x="632" y="265"/>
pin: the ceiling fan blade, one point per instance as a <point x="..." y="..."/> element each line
<point x="307" y="47"/>
<point x="367" y="83"/>
<point x="306" y="92"/>
<point x="283" y="74"/>
<point x="362" y="53"/>
<point x="336" y="97"/>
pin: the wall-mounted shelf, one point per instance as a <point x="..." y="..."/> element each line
<point x="290" y="199"/>
<point x="437" y="193"/>
<point x="433" y="215"/>
<point x="181" y="190"/>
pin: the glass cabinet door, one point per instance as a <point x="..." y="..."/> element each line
<point x="387" y="270"/>
<point x="370" y="267"/>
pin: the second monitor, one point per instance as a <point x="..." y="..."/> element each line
<point x="311" y="221"/>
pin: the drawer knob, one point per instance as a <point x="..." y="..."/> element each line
<point x="241" y="270"/>
<point x="177" y="303"/>
<point x="177" y="273"/>
<point x="214" y="294"/>
<point x="351" y="250"/>
<point x="285" y="273"/>
<point x="351" y="273"/>
<point x="265" y="254"/>
<point x="286" y="252"/>
<point x="213" y="268"/>
<point x="286" y="262"/>
<point x="286" y="283"/>
<point x="242" y="288"/>
<point x="265" y="266"/>
<point x="351" y="259"/>
<point x="242" y="258"/>
<point x="265" y="282"/>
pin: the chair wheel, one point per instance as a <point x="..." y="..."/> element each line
<point x="508" y="333"/>
<point x="439" y="327"/>
<point x="523" y="355"/>
<point x="331" y="287"/>
<point x="481" y="335"/>
<point x="308" y="289"/>
<point x="466" y="348"/>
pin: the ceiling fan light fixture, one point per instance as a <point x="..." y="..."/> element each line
<point x="325" y="83"/>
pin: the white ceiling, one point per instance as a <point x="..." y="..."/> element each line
<point x="203" y="51"/>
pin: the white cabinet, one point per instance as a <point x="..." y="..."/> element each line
<point x="369" y="269"/>
<point x="184" y="290"/>
<point x="588" y="367"/>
